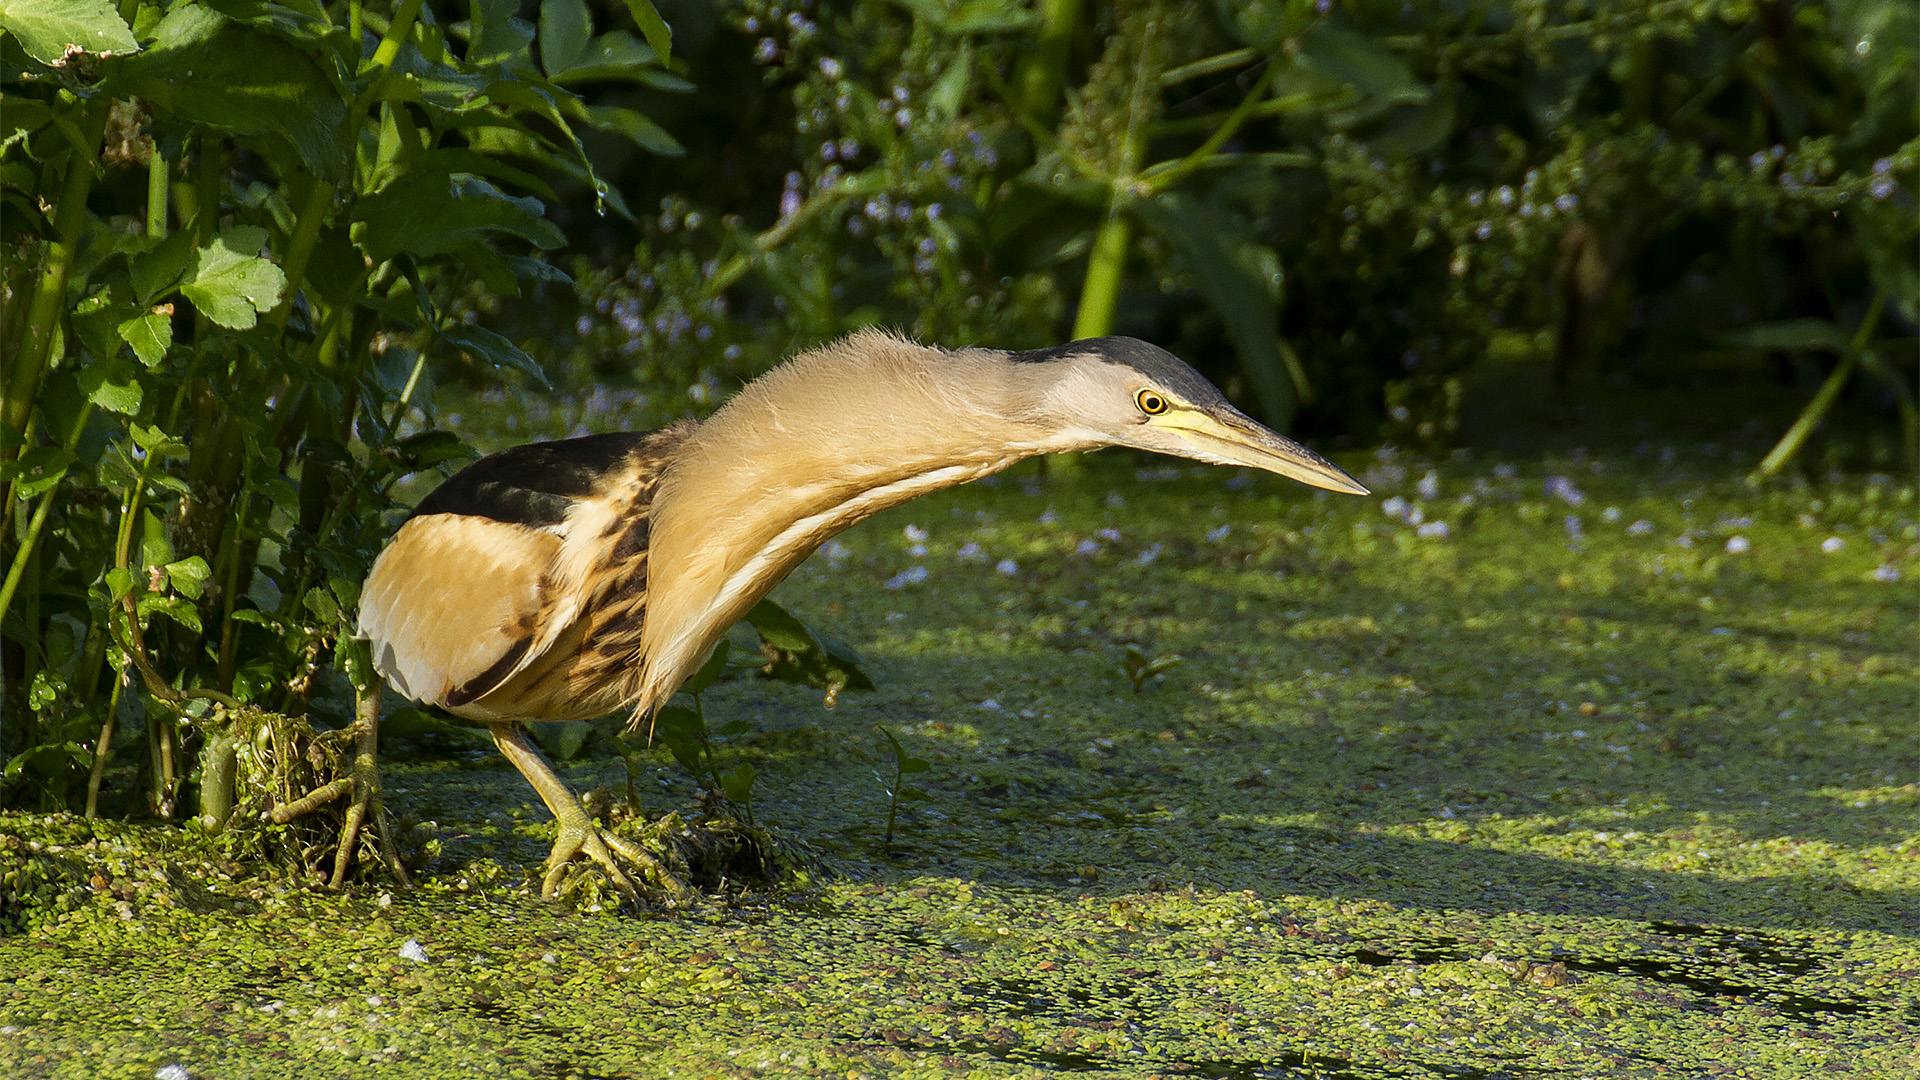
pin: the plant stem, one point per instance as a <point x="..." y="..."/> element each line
<point x="1816" y="410"/>
<point x="157" y="175"/>
<point x="49" y="301"/>
<point x="1106" y="270"/>
<point x="103" y="749"/>
<point x="24" y="553"/>
<point x="1042" y="70"/>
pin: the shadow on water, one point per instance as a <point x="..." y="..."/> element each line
<point x="1287" y="1065"/>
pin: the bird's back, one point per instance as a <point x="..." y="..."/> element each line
<point x="517" y="589"/>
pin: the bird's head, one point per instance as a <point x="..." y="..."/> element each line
<point x="1119" y="391"/>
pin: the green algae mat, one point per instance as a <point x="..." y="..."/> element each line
<point x="1588" y="766"/>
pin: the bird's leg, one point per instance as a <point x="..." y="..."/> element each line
<point x="577" y="832"/>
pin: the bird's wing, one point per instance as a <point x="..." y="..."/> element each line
<point x="473" y="587"/>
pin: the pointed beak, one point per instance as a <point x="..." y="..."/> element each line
<point x="1230" y="437"/>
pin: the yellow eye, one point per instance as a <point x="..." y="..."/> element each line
<point x="1150" y="403"/>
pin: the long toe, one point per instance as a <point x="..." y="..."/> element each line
<point x="640" y="857"/>
<point x="592" y="843"/>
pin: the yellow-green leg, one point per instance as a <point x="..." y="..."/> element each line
<point x="577" y="832"/>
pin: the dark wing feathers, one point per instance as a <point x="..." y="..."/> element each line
<point x="533" y="485"/>
<point x="470" y="607"/>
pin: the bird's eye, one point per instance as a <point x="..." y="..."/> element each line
<point x="1150" y="403"/>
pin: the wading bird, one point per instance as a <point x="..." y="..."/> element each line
<point x="567" y="580"/>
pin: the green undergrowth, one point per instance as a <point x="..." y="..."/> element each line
<point x="1590" y="764"/>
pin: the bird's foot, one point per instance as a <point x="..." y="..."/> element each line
<point x="627" y="866"/>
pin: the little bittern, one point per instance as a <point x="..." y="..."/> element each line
<point x="570" y="579"/>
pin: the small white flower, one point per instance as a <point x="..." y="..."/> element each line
<point x="1429" y="485"/>
<point x="1433" y="530"/>
<point x="1738" y="545"/>
<point x="1219" y="533"/>
<point x="1111" y="536"/>
<point x="912" y="575"/>
<point x="171" y="1072"/>
<point x="1395" y="507"/>
<point x="1151" y="553"/>
<point x="1087" y="547"/>
<point x="1611" y="514"/>
<point x="1832" y="544"/>
<point x="1640" y="528"/>
<point x="412" y="951"/>
<point x="969" y="552"/>
<point x="834" y="550"/>
<point x="1007" y="567"/>
<point x="1563" y="489"/>
<point x="915" y="533"/>
<point x="1883" y="572"/>
<point x="990" y="705"/>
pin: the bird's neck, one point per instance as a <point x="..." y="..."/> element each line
<point x="811" y="448"/>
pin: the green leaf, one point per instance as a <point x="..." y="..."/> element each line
<point x="179" y="609"/>
<point x="950" y="89"/>
<point x="38" y="469"/>
<point x="50" y="30"/>
<point x="322" y="604"/>
<point x="203" y="68"/>
<point x="151" y="335"/>
<point x="635" y="126"/>
<point x="652" y="27"/>
<point x="430" y="448"/>
<point x="427" y="212"/>
<point x="566" y="32"/>
<point x="155" y="440"/>
<point x="156" y="271"/>
<point x="496" y="350"/>
<point x="229" y="281"/>
<point x="189" y="576"/>
<point x="738" y="784"/>
<point x="1361" y="62"/>
<point x="677" y="723"/>
<point x="619" y="56"/>
<point x="156" y="547"/>
<point x="563" y="740"/>
<point x="497" y="35"/>
<point x="111" y="387"/>
<point x="710" y="671"/>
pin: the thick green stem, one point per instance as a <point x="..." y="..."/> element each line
<point x="157" y="175"/>
<point x="1816" y="410"/>
<point x="218" y="759"/>
<point x="49" y="302"/>
<point x="1043" y="69"/>
<point x="306" y="235"/>
<point x="24" y="554"/>
<point x="1106" y="271"/>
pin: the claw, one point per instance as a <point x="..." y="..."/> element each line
<point x="578" y="834"/>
